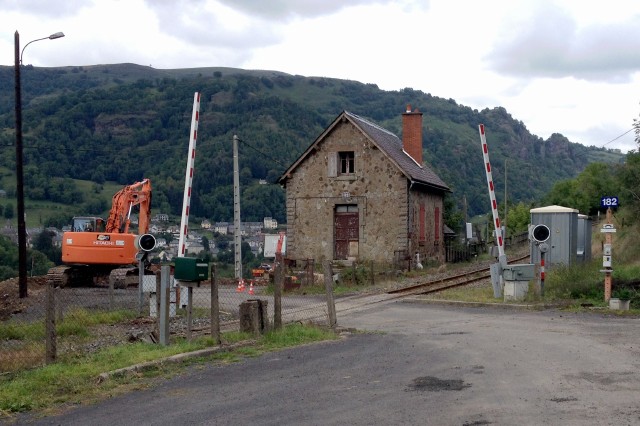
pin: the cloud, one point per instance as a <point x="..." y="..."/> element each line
<point x="47" y="9"/>
<point x="211" y="24"/>
<point x="286" y="9"/>
<point x="551" y="44"/>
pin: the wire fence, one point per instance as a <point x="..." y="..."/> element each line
<point x="54" y="324"/>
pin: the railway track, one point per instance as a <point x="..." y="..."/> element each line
<point x="452" y="281"/>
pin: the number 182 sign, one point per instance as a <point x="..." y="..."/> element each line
<point x="609" y="202"/>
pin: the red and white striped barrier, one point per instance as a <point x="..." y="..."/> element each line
<point x="492" y="193"/>
<point x="188" y="180"/>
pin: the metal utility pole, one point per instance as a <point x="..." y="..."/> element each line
<point x="237" y="232"/>
<point x="22" y="227"/>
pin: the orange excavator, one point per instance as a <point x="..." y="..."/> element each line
<point x="94" y="250"/>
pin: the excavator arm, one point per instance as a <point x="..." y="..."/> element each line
<point x="137" y="194"/>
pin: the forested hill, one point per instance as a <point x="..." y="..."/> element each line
<point x="125" y="122"/>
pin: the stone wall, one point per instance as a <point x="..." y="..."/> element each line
<point x="378" y="188"/>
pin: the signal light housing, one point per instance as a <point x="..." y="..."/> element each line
<point x="539" y="233"/>
<point x="145" y="242"/>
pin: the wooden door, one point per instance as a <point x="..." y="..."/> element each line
<point x="345" y="227"/>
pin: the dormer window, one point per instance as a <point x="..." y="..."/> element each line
<point x="347" y="162"/>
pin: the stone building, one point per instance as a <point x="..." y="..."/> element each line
<point x="360" y="193"/>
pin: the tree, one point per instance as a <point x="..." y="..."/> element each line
<point x="205" y="255"/>
<point x="222" y="242"/>
<point x="596" y="181"/>
<point x="563" y="193"/>
<point x="44" y="244"/>
<point x="636" y="127"/>
<point x="8" y="211"/>
<point x="205" y="244"/>
<point x="40" y="262"/>
<point x="518" y="218"/>
<point x="627" y="177"/>
<point x="225" y="256"/>
<point x="58" y="220"/>
<point x="168" y="236"/>
<point x="8" y="259"/>
<point x="453" y="217"/>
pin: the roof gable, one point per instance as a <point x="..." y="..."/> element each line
<point x="388" y="143"/>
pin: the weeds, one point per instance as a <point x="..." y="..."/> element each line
<point x="579" y="282"/>
<point x="74" y="380"/>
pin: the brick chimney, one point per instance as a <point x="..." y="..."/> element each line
<point x="412" y="134"/>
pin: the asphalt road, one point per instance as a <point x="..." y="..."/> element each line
<point x="419" y="364"/>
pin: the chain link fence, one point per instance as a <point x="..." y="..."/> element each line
<point x="52" y="324"/>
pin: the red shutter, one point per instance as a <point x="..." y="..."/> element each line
<point x="437" y="223"/>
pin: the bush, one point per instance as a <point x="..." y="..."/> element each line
<point x="356" y="275"/>
<point x="582" y="281"/>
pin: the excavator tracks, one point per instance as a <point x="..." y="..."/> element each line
<point x="122" y="277"/>
<point x="84" y="275"/>
<point x="57" y="276"/>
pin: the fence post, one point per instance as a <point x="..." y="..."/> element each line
<point x="50" y="326"/>
<point x="215" y="306"/>
<point x="59" y="307"/>
<point x="111" y="296"/>
<point x="157" y="300"/>
<point x="163" y="312"/>
<point x="189" y="311"/>
<point x="328" y="284"/>
<point x="278" y="281"/>
<point x="140" y="286"/>
<point x="373" y="275"/>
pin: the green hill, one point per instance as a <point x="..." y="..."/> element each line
<point x="120" y="123"/>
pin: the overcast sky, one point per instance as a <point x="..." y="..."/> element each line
<point x="564" y="66"/>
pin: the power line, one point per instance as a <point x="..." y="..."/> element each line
<point x="264" y="154"/>
<point x="618" y="137"/>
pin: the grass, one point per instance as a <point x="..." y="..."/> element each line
<point x="475" y="294"/>
<point x="73" y="381"/>
<point x="77" y="323"/>
<point x="577" y="286"/>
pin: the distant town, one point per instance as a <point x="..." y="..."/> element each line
<point x="168" y="234"/>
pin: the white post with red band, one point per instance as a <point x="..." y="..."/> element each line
<point x="188" y="180"/>
<point x="492" y="193"/>
<point x="184" y="297"/>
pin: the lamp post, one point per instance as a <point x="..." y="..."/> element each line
<point x="22" y="229"/>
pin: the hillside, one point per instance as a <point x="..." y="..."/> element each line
<point x="120" y="123"/>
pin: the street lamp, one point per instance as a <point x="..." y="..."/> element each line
<point x="22" y="229"/>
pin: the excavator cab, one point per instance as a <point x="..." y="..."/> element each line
<point x="88" y="224"/>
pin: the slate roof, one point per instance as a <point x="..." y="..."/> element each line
<point x="389" y="144"/>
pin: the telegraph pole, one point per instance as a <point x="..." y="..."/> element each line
<point x="237" y="233"/>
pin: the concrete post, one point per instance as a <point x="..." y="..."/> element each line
<point x="278" y="282"/>
<point x="111" y="295"/>
<point x="254" y="316"/>
<point x="189" y="312"/>
<point x="328" y="284"/>
<point x="140" y="286"/>
<point x="215" y="307"/>
<point x="50" y="326"/>
<point x="163" y="312"/>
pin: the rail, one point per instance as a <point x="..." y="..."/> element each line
<point x="450" y="281"/>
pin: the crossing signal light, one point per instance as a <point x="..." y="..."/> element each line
<point x="540" y="233"/>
